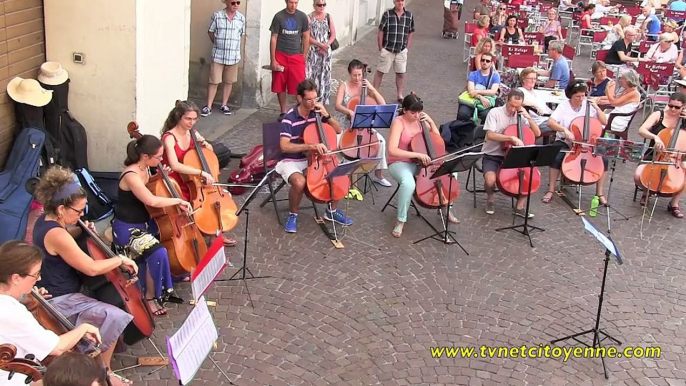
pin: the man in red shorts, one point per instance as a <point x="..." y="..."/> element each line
<point x="288" y="49"/>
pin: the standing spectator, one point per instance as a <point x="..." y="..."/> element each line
<point x="394" y="39"/>
<point x="651" y="27"/>
<point x="322" y="35"/>
<point x="559" y="72"/>
<point x="288" y="50"/>
<point x="225" y="31"/>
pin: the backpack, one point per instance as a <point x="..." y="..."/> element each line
<point x="99" y="205"/>
<point x="31" y="116"/>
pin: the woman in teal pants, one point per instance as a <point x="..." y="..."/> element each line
<point x="401" y="161"/>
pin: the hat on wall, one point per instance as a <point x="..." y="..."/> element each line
<point x="52" y="73"/>
<point x="28" y="91"/>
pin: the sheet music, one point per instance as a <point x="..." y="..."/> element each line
<point x="191" y="344"/>
<point x="211" y="265"/>
<point x="606" y="241"/>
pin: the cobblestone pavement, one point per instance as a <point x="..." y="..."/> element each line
<point x="368" y="314"/>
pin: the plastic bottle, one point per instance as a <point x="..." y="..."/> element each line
<point x="594" y="206"/>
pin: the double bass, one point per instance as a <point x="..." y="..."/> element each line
<point x="126" y="294"/>
<point x="214" y="209"/>
<point x="353" y="141"/>
<point x="517" y="182"/>
<point x="184" y="243"/>
<point x="581" y="166"/>
<point x="439" y="192"/>
<point x="319" y="188"/>
<point x="665" y="176"/>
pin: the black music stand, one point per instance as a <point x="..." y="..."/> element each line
<point x="610" y="249"/>
<point x="244" y="208"/>
<point x="460" y="163"/>
<point x="528" y="157"/>
<point x="368" y="117"/>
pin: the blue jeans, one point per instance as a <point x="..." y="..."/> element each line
<point x="157" y="262"/>
<point x="403" y="173"/>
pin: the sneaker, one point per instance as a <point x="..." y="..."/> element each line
<point x="291" y="223"/>
<point x="205" y="111"/>
<point x="226" y="110"/>
<point x="490" y="207"/>
<point x="338" y="217"/>
<point x="382" y="181"/>
<point x="521" y="213"/>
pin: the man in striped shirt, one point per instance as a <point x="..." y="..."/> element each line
<point x="394" y="38"/>
<point x="226" y="29"/>
<point x="294" y="151"/>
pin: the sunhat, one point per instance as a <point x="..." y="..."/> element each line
<point x="28" y="91"/>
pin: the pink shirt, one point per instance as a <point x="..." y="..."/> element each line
<point x="404" y="142"/>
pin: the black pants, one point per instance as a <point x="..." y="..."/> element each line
<point x="466" y="113"/>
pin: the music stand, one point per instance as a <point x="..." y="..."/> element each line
<point x="528" y="157"/>
<point x="460" y="163"/>
<point x="368" y="117"/>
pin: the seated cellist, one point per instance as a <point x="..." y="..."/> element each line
<point x="499" y="119"/>
<point x="561" y="122"/>
<point x="402" y="161"/>
<point x="131" y="215"/>
<point x="349" y="90"/>
<point x="294" y="152"/>
<point x="656" y="122"/>
<point x="177" y="141"/>
<point x="65" y="263"/>
<point x="20" y="269"/>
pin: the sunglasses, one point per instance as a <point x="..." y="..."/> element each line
<point x="675" y="107"/>
<point x="485" y="60"/>
<point x="321" y="5"/>
<point x="235" y="3"/>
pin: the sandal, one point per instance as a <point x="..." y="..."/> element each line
<point x="602" y="200"/>
<point x="546" y="199"/>
<point x="229" y="242"/>
<point x="452" y="219"/>
<point x="156" y="307"/>
<point x="675" y="211"/>
<point x="644" y="200"/>
<point x="117" y="380"/>
<point x="398" y="230"/>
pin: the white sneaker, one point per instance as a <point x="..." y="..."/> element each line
<point x="382" y="181"/>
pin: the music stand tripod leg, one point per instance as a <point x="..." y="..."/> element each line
<point x="526" y="227"/>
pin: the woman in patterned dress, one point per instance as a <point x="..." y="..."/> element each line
<point x="322" y="35"/>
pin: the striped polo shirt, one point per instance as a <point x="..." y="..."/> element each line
<point x="292" y="126"/>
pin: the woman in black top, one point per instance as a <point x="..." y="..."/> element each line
<point x="511" y="32"/>
<point x="656" y="122"/>
<point x="133" y="226"/>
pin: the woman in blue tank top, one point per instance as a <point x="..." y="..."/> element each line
<point x="65" y="263"/>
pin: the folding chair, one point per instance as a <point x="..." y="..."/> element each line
<point x="271" y="136"/>
<point x="596" y="42"/>
<point x="467" y="43"/>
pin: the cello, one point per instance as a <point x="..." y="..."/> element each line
<point x="664" y="176"/>
<point x="126" y="296"/>
<point x="433" y="193"/>
<point x="354" y="140"/>
<point x="318" y="188"/>
<point x="214" y="209"/>
<point x="29" y="365"/>
<point x="581" y="166"/>
<point x="184" y="243"/>
<point x="515" y="182"/>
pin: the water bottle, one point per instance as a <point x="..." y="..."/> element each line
<point x="594" y="206"/>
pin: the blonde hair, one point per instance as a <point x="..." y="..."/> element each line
<point x="526" y="72"/>
<point x="483" y="21"/>
<point x="480" y="45"/>
<point x="625" y="20"/>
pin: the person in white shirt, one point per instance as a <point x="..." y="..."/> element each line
<point x="541" y="111"/>
<point x="664" y="51"/>
<point x="20" y="265"/>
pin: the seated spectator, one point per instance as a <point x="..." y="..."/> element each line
<point x="75" y="369"/>
<point x="511" y="34"/>
<point x="586" y="17"/>
<point x="626" y="102"/>
<point x="481" y="84"/>
<point x="499" y="19"/>
<point x="481" y="30"/>
<point x="651" y="26"/>
<point x="559" y="72"/>
<point x="663" y="52"/>
<point x="617" y="32"/>
<point x="670" y="27"/>
<point x="603" y="7"/>
<point x="680" y="62"/>
<point x="539" y="111"/>
<point x="552" y="29"/>
<point x="599" y="81"/>
<point x="619" y="52"/>
<point x="485" y="46"/>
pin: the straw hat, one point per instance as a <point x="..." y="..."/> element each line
<point x="671" y="23"/>
<point x="681" y="83"/>
<point x="52" y="73"/>
<point x="28" y="91"/>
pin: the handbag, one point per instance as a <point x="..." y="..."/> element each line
<point x="334" y="46"/>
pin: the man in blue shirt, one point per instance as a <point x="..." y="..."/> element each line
<point x="651" y="26"/>
<point x="481" y="83"/>
<point x="559" y="72"/>
<point x="294" y="152"/>
<point x="678" y="5"/>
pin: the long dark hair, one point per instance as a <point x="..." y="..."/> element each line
<point x="147" y="144"/>
<point x="412" y="103"/>
<point x="181" y="108"/>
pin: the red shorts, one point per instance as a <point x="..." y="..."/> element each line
<point x="292" y="75"/>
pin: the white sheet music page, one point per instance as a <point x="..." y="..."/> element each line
<point x="191" y="344"/>
<point x="211" y="266"/>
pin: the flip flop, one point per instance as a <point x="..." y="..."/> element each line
<point x="398" y="230"/>
<point x="547" y="200"/>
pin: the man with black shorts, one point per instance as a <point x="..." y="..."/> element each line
<point x="497" y="121"/>
<point x="288" y="49"/>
